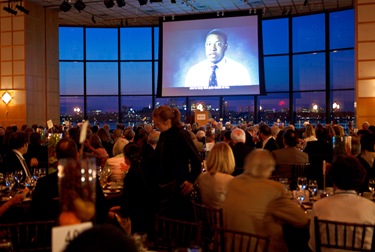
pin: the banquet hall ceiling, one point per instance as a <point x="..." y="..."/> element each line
<point x="133" y="14"/>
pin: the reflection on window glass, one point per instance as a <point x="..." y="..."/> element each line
<point x="136" y="43"/>
<point x="342" y="29"/>
<point x="309" y="106"/>
<point x="102" y="78"/>
<point x="277" y="28"/>
<point x="274" y="108"/>
<point x="308" y="33"/>
<point x="342" y="69"/>
<point x="156" y="43"/>
<point x="71" y="108"/>
<point x="276" y="71"/>
<point x="135" y="110"/>
<point x="343" y="107"/>
<point x="71" y="78"/>
<point x="71" y="43"/>
<point x="309" y="71"/>
<point x="102" y="109"/>
<point x="136" y="78"/>
<point x="101" y="44"/>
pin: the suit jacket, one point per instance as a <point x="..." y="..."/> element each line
<point x="12" y="163"/>
<point x="240" y="151"/>
<point x="260" y="206"/>
<point x="271" y="145"/>
<point x="290" y="155"/>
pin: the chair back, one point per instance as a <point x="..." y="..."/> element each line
<point x="344" y="236"/>
<point x="211" y="219"/>
<point x="171" y="234"/>
<point x="29" y="236"/>
<point x="237" y="241"/>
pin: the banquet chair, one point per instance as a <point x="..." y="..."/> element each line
<point x="211" y="219"/>
<point x="29" y="236"/>
<point x="344" y="236"/>
<point x="237" y="241"/>
<point x="171" y="234"/>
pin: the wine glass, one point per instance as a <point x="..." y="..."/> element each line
<point x="42" y="172"/>
<point x="371" y="187"/>
<point x="313" y="188"/>
<point x="18" y="175"/>
<point x="9" y="180"/>
<point x="36" y="173"/>
<point x="300" y="195"/>
<point x="302" y="183"/>
<point x="31" y="183"/>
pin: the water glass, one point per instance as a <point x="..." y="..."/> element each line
<point x="302" y="183"/>
<point x="313" y="188"/>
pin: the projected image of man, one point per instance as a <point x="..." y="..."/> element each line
<point x="217" y="71"/>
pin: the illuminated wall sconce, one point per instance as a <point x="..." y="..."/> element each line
<point x="6" y="98"/>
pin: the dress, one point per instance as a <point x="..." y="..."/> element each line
<point x="228" y="73"/>
<point x="260" y="206"/>
<point x="344" y="206"/>
<point x="213" y="188"/>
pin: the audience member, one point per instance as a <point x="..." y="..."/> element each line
<point x="117" y="163"/>
<point x="213" y="184"/>
<point x="178" y="162"/>
<point x="106" y="141"/>
<point x="267" y="141"/>
<point x="344" y="205"/>
<point x="240" y="149"/>
<point x="366" y="158"/>
<point x="258" y="205"/>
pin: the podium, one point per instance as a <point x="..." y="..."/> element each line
<point x="201" y="117"/>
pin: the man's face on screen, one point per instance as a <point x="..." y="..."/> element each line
<point x="215" y="48"/>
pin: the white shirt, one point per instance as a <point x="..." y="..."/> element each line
<point x="228" y="73"/>
<point x="344" y="206"/>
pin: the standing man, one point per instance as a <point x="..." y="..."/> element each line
<point x="217" y="71"/>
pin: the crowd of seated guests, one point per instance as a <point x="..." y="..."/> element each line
<point x="163" y="161"/>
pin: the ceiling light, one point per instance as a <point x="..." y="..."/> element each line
<point x="173" y="1"/>
<point x="142" y="2"/>
<point x="121" y="3"/>
<point x="10" y="10"/>
<point x="65" y="6"/>
<point x="79" y="5"/>
<point x="6" y="98"/>
<point x="109" y="3"/>
<point x="22" y="9"/>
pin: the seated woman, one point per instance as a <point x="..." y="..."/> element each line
<point x="96" y="147"/>
<point x="258" y="205"/>
<point x="117" y="163"/>
<point x="213" y="184"/>
<point x="345" y="205"/>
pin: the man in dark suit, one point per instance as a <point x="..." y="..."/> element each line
<point x="14" y="160"/>
<point x="240" y="149"/>
<point x="268" y="142"/>
<point x="45" y="200"/>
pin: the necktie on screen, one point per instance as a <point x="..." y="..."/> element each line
<point x="213" y="81"/>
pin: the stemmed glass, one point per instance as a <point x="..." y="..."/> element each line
<point x="18" y="176"/>
<point x="42" y="172"/>
<point x="371" y="187"/>
<point x="36" y="174"/>
<point x="302" y="183"/>
<point x="10" y="180"/>
<point x="313" y="188"/>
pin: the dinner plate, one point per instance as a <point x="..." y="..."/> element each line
<point x="114" y="187"/>
<point x="111" y="191"/>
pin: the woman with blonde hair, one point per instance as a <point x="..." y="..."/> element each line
<point x="213" y="184"/>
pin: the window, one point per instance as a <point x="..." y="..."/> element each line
<point x="136" y="43"/>
<point x="102" y="78"/>
<point x="277" y="28"/>
<point x="101" y="44"/>
<point x="276" y="71"/>
<point x="309" y="71"/>
<point x="71" y="43"/>
<point x="309" y="33"/>
<point x="71" y="78"/>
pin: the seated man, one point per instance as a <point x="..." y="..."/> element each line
<point x="258" y="205"/>
<point x="44" y="204"/>
<point x="345" y="205"/>
<point x="240" y="149"/>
